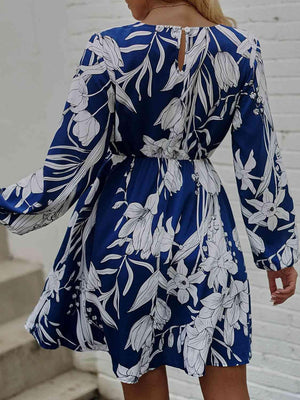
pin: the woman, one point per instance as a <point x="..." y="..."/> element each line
<point x="150" y="268"/>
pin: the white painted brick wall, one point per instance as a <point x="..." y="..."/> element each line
<point x="274" y="371"/>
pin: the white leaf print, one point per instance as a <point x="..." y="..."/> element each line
<point x="123" y="98"/>
<point x="146" y="292"/>
<point x="162" y="56"/>
<point x="47" y="336"/>
<point x="92" y="192"/>
<point x="93" y="281"/>
<point x="201" y="93"/>
<point x="212" y="301"/>
<point x="140" y="77"/>
<point x="107" y="319"/>
<point x="143" y="264"/>
<point x="117" y="300"/>
<point x="171" y="339"/>
<point x="134" y="47"/>
<point x="139" y="333"/>
<point x="174" y="78"/>
<point x="107" y="271"/>
<point x="83" y="329"/>
<point x="137" y="33"/>
<point x="111" y="257"/>
<point x="130" y="278"/>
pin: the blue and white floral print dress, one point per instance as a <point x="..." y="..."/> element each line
<point x="150" y="268"/>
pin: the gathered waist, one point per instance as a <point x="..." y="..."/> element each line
<point x="164" y="157"/>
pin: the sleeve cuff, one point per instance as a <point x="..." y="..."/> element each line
<point x="280" y="260"/>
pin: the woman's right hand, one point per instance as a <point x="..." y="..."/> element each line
<point x="288" y="277"/>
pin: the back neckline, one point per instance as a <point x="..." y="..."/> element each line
<point x="186" y="28"/>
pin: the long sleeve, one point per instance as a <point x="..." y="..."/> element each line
<point x="266" y="203"/>
<point x="78" y="151"/>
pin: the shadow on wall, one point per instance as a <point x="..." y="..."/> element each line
<point x="4" y="250"/>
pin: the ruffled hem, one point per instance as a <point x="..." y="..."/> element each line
<point x="132" y="379"/>
<point x="32" y="329"/>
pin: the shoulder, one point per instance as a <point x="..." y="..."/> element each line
<point x="239" y="39"/>
<point x="111" y="34"/>
<point x="114" y="39"/>
<point x="242" y="44"/>
<point x="242" y="50"/>
<point x="116" y="32"/>
<point x="108" y="44"/>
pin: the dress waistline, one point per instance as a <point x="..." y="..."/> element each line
<point x="202" y="159"/>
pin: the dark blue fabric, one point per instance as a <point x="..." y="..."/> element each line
<point x="150" y="268"/>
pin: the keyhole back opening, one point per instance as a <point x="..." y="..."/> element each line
<point x="181" y="53"/>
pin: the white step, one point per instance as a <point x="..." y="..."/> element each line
<point x="72" y="385"/>
<point x="21" y="284"/>
<point x="23" y="363"/>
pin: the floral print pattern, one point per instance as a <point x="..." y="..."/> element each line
<point x="151" y="269"/>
